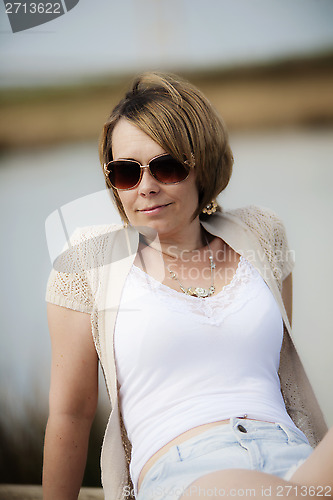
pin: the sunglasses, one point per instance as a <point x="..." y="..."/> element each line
<point x="127" y="174"/>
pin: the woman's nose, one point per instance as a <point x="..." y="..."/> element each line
<point x="148" y="184"/>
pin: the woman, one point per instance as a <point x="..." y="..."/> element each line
<point x="190" y="311"/>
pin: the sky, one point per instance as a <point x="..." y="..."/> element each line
<point x="102" y="37"/>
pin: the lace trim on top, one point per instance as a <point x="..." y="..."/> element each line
<point x="244" y="286"/>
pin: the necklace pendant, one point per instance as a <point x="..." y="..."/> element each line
<point x="201" y="292"/>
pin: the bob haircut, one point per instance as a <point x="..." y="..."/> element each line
<point x="182" y="121"/>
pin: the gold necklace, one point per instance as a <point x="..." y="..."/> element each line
<point x="198" y="291"/>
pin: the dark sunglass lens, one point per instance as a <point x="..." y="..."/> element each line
<point x="168" y="170"/>
<point x="124" y="174"/>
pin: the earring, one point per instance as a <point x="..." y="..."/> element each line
<point x="210" y="208"/>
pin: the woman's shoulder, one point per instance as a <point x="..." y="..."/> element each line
<point x="253" y="213"/>
<point x="86" y="233"/>
<point x="258" y="219"/>
<point x="270" y="232"/>
<point x="86" y="248"/>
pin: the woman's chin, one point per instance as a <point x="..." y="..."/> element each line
<point x="148" y="232"/>
<point x="152" y="230"/>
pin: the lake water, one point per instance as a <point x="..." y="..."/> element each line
<point x="288" y="170"/>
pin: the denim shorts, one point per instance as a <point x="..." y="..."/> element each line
<point x="240" y="444"/>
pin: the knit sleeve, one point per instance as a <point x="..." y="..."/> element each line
<point x="285" y="257"/>
<point x="67" y="284"/>
<point x="270" y="231"/>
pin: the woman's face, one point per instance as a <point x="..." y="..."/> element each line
<point x="166" y="208"/>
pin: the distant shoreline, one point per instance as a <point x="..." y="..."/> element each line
<point x="289" y="93"/>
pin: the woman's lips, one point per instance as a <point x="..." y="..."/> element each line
<point x="154" y="210"/>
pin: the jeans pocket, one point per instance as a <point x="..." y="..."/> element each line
<point x="294" y="436"/>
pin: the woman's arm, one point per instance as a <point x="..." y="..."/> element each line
<point x="73" y="402"/>
<point x="287" y="295"/>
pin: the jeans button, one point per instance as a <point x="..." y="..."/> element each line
<point x="241" y="428"/>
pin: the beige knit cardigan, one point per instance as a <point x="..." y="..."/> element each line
<point x="89" y="277"/>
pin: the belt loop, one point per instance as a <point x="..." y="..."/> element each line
<point x="286" y="430"/>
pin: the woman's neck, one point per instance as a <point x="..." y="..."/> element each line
<point x="176" y="246"/>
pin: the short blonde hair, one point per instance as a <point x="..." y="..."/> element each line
<point x="177" y="116"/>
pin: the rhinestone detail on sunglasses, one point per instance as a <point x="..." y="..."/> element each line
<point x="123" y="174"/>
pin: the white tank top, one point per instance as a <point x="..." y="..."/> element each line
<point x="184" y="361"/>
